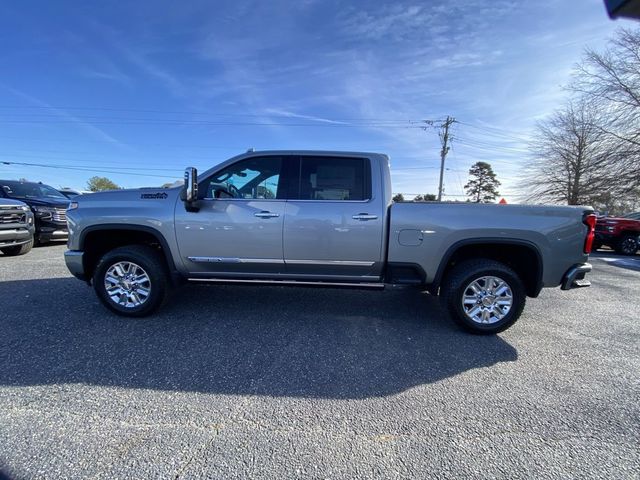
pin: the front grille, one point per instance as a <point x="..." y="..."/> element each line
<point x="59" y="215"/>
<point x="11" y="215"/>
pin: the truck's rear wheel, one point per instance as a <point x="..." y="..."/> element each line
<point x="131" y="281"/>
<point x="483" y="296"/>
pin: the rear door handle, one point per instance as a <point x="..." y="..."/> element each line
<point x="265" y="214"/>
<point x="364" y="217"/>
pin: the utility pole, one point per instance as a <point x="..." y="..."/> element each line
<point x="444" y="138"/>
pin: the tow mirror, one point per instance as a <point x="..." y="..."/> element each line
<point x="190" y="189"/>
<point x="191" y="184"/>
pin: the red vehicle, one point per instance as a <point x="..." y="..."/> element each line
<point x="620" y="233"/>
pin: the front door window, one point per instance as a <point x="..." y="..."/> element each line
<point x="254" y="178"/>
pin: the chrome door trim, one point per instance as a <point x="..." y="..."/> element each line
<point x="380" y="286"/>
<point x="346" y="263"/>
<point x="235" y="260"/>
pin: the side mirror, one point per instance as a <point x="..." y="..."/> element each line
<point x="191" y="184"/>
<point x="189" y="192"/>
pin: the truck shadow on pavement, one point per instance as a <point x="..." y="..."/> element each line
<point x="275" y="341"/>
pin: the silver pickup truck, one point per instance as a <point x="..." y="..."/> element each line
<point x="323" y="218"/>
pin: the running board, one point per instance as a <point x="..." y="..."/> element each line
<point x="379" y="286"/>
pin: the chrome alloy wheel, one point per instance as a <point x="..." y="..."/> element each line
<point x="127" y="284"/>
<point x="487" y="300"/>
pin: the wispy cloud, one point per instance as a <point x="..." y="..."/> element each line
<point x="151" y="68"/>
<point x="86" y="126"/>
<point x="110" y="75"/>
<point x="137" y="56"/>
<point x="285" y="113"/>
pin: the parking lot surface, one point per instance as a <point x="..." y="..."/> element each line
<point x="264" y="382"/>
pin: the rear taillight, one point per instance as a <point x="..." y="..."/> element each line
<point x="590" y="221"/>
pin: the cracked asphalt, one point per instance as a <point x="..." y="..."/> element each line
<point x="264" y="382"/>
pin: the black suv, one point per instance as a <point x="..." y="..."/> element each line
<point x="48" y="205"/>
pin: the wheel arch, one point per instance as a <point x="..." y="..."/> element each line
<point x="521" y="255"/>
<point x="96" y="240"/>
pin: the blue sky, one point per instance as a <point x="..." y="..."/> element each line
<point x="136" y="91"/>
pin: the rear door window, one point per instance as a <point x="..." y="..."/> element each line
<point x="334" y="178"/>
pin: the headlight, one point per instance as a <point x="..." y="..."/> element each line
<point x="43" y="212"/>
<point x="24" y="208"/>
<point x="72" y="206"/>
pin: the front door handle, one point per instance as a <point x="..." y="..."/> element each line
<point x="364" y="217"/>
<point x="265" y="214"/>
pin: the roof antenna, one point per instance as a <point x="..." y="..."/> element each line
<point x="251" y="150"/>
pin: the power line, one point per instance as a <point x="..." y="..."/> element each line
<point x="84" y="159"/>
<point x="483" y="143"/>
<point x="160" y="122"/>
<point x="140" y="144"/>
<point x="494" y="147"/>
<point x="413" y="168"/>
<point x="498" y="132"/>
<point x="145" y="168"/>
<point x="23" y="117"/>
<point x="83" y="169"/>
<point x="318" y="118"/>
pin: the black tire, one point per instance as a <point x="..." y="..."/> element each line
<point x="627" y="245"/>
<point x="596" y="246"/>
<point x="152" y="264"/>
<point x="459" y="279"/>
<point x="18" y="249"/>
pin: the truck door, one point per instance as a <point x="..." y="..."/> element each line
<point x="334" y="220"/>
<point x="238" y="227"/>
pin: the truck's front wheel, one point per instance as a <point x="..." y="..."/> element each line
<point x="131" y="281"/>
<point x="483" y="296"/>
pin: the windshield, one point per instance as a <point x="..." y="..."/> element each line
<point x="633" y="216"/>
<point x="31" y="190"/>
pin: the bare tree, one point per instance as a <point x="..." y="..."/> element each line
<point x="572" y="158"/>
<point x="611" y="79"/>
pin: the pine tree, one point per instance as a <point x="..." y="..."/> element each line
<point x="483" y="185"/>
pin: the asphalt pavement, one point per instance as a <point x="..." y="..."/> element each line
<point x="280" y="382"/>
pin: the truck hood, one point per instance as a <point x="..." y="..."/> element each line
<point x="45" y="202"/>
<point x="10" y="202"/>
<point x="129" y="195"/>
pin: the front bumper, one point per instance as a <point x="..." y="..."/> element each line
<point x="75" y="263"/>
<point x="47" y="230"/>
<point x="574" y="278"/>
<point x="49" y="234"/>
<point x="11" y="237"/>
